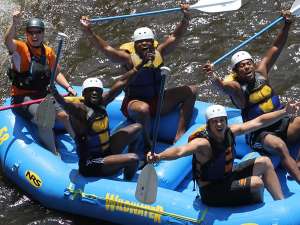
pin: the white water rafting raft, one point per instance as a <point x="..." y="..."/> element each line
<point x="54" y="181"/>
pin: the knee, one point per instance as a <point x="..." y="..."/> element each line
<point x="280" y="148"/>
<point x="256" y="184"/>
<point x="264" y="162"/>
<point x="137" y="128"/>
<point x="63" y="116"/>
<point x="143" y="110"/>
<point x="133" y="158"/>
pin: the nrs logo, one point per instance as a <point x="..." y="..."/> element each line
<point x="33" y="179"/>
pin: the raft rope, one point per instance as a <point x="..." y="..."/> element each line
<point x="78" y="192"/>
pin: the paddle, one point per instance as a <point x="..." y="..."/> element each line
<point x="295" y="10"/>
<point x="146" y="189"/>
<point x="202" y="5"/>
<point x="45" y="115"/>
<point x="35" y="101"/>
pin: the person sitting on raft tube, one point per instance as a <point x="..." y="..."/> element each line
<point x="100" y="153"/>
<point x="249" y="89"/>
<point x="32" y="63"/>
<point x="213" y="150"/>
<point x="141" y="95"/>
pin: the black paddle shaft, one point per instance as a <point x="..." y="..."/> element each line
<point x="158" y="109"/>
<point x="60" y="43"/>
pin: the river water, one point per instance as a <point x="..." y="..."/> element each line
<point x="209" y="37"/>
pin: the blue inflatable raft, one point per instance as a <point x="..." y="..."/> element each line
<point x="55" y="182"/>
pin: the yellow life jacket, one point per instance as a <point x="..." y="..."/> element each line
<point x="259" y="96"/>
<point x="98" y="134"/>
<point x="147" y="82"/>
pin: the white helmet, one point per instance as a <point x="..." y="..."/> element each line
<point x="142" y="33"/>
<point x="214" y="111"/>
<point x="239" y="57"/>
<point x="91" y="82"/>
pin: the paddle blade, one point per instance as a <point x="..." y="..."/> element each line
<point x="146" y="188"/>
<point x="217" y="5"/>
<point x="45" y="115"/>
<point x="295" y="9"/>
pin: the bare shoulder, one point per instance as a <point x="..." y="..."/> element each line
<point x="202" y="145"/>
<point x="204" y="152"/>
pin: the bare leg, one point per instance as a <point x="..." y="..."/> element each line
<point x="186" y="96"/>
<point x="113" y="163"/>
<point x="257" y="188"/>
<point x="293" y="136"/>
<point x="140" y="112"/>
<point x="129" y="135"/>
<point x="264" y="167"/>
<point x="276" y="145"/>
<point x="293" y="132"/>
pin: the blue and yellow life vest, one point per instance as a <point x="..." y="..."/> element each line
<point x="98" y="132"/>
<point x="221" y="163"/>
<point x="260" y="98"/>
<point x="147" y="82"/>
<point x="95" y="142"/>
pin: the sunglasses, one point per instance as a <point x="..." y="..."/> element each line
<point x="31" y="32"/>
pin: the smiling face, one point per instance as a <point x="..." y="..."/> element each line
<point x="245" y="70"/>
<point x="143" y="46"/>
<point x="93" y="95"/>
<point x="217" y="127"/>
<point x="35" y="36"/>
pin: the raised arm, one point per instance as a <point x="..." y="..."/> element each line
<point x="11" y="32"/>
<point x="173" y="39"/>
<point x="200" y="145"/>
<point x="273" y="53"/>
<point x="229" y="87"/>
<point x="119" y="85"/>
<point x="73" y="109"/>
<point x="124" y="80"/>
<point x="266" y="119"/>
<point x="62" y="81"/>
<point x="113" y="54"/>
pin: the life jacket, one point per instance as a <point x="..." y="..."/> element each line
<point x="221" y="163"/>
<point x="37" y="76"/>
<point x="260" y="98"/>
<point x="147" y="82"/>
<point x="95" y="142"/>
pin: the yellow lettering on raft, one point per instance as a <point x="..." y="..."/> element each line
<point x="3" y="135"/>
<point x="115" y="203"/>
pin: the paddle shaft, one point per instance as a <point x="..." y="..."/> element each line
<point x="158" y="110"/>
<point x="134" y="15"/>
<point x="35" y="101"/>
<point x="197" y="6"/>
<point x="56" y="62"/>
<point x="273" y="23"/>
